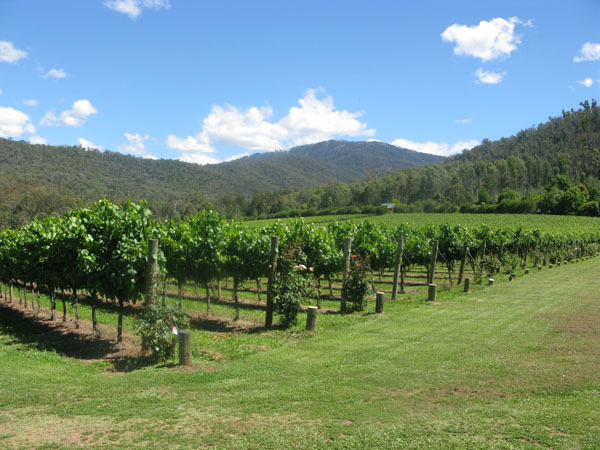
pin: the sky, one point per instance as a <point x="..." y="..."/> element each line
<point x="211" y="81"/>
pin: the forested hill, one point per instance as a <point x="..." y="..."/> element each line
<point x="517" y="167"/>
<point x="38" y="180"/>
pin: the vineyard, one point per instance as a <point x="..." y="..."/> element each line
<point x="94" y="260"/>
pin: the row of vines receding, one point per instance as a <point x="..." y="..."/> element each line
<point x="101" y="251"/>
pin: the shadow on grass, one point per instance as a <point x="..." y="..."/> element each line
<point x="225" y="301"/>
<point x="220" y="325"/>
<point x="41" y="333"/>
<point x="131" y="363"/>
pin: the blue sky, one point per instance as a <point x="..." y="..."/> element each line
<point x="208" y="81"/>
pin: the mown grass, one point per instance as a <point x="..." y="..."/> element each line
<point x="514" y="365"/>
<point x="540" y="222"/>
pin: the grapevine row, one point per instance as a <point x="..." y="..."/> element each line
<point x="102" y="249"/>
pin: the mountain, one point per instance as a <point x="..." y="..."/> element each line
<point x="38" y="180"/>
<point x="521" y="168"/>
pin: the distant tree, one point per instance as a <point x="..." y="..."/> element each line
<point x="484" y="196"/>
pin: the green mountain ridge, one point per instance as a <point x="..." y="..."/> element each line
<point x="520" y="166"/>
<point x="38" y="180"/>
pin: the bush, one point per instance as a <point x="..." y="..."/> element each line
<point x="348" y="210"/>
<point x="291" y="286"/>
<point x="374" y="209"/>
<point x="155" y="326"/>
<point x="357" y="287"/>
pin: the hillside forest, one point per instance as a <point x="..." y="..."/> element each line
<point x="552" y="168"/>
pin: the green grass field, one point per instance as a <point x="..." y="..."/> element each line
<point x="527" y="221"/>
<point x="514" y="365"/>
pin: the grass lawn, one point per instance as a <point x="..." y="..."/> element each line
<point x="514" y="365"/>
<point x="542" y="222"/>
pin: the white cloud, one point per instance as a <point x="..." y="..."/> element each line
<point x="200" y="143"/>
<point x="87" y="144"/>
<point x="486" y="77"/>
<point x="75" y="117"/>
<point x="589" y="52"/>
<point x="133" y="8"/>
<point x="197" y="158"/>
<point x="317" y="120"/>
<point x="249" y="129"/>
<point x="37" y="140"/>
<point x="436" y="148"/>
<point x="0" y="91"/>
<point x="193" y="149"/>
<point x="13" y="123"/>
<point x="31" y="102"/>
<point x="56" y="73"/>
<point x="136" y="145"/>
<point x="588" y="82"/>
<point x="238" y="156"/>
<point x="8" y="53"/>
<point x="314" y="120"/>
<point x="462" y="121"/>
<point x="488" y="40"/>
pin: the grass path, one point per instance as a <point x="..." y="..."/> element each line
<point x="515" y="365"/>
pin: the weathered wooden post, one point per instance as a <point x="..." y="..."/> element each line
<point x="379" y="302"/>
<point x="151" y="273"/>
<point x="490" y="281"/>
<point x="500" y="253"/>
<point x="311" y="318"/>
<point x="431" y="292"/>
<point x="546" y="253"/>
<point x="434" y="252"/>
<point x="347" y="250"/>
<point x="185" y="348"/>
<point x="467" y="287"/>
<point x="397" y="267"/>
<point x="526" y="271"/>
<point x="483" y="245"/>
<point x="540" y="267"/>
<point x="463" y="261"/>
<point x="537" y="253"/>
<point x="272" y="279"/>
<point x="151" y="281"/>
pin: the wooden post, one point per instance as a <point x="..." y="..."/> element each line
<point x="151" y="280"/>
<point x="379" y="302"/>
<point x="433" y="262"/>
<point x="467" y="287"/>
<point x="185" y="348"/>
<point x="526" y="271"/>
<point x="431" y="292"/>
<point x="463" y="260"/>
<point x="397" y="265"/>
<point x="483" y="244"/>
<point x="347" y="250"/>
<point x="546" y="255"/>
<point x="500" y="254"/>
<point x="151" y="273"/>
<point x="272" y="279"/>
<point x="490" y="281"/>
<point x="311" y="318"/>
